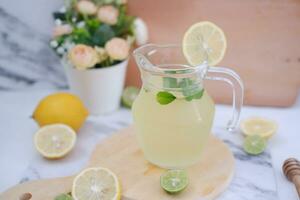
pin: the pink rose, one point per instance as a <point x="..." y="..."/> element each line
<point x="117" y="48"/>
<point x="108" y="14"/>
<point x="62" y="30"/>
<point x="82" y="56"/>
<point x="86" y="7"/>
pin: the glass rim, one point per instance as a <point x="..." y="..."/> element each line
<point x="183" y="70"/>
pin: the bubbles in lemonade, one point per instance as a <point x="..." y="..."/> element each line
<point x="172" y="135"/>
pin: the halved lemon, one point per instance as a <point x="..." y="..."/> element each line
<point x="204" y="41"/>
<point x="96" y="183"/>
<point x="258" y="126"/>
<point x="55" y="141"/>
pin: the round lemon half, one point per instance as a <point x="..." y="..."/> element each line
<point x="259" y="126"/>
<point x="55" y="141"/>
<point x="96" y="183"/>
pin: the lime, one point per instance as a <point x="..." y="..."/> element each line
<point x="204" y="41"/>
<point x="174" y="181"/>
<point x="64" y="197"/>
<point x="254" y="144"/>
<point x="129" y="95"/>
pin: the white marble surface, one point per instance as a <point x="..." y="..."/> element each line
<point x="25" y="57"/>
<point x="254" y="178"/>
<point x="27" y="62"/>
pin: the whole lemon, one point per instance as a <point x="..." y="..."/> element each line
<point x="62" y="108"/>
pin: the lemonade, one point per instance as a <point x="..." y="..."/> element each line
<point x="173" y="113"/>
<point x="172" y="135"/>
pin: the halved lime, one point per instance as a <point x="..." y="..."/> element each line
<point x="129" y="95"/>
<point x="174" y="181"/>
<point x="254" y="144"/>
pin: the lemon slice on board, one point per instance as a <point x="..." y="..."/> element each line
<point x="259" y="126"/>
<point x="204" y="41"/>
<point x="96" y="183"/>
<point x="55" y="141"/>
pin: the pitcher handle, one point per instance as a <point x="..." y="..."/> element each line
<point x="232" y="78"/>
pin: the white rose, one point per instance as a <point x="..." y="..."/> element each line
<point x="82" y="56"/>
<point x="62" y="30"/>
<point x="140" y="31"/>
<point x="86" y="7"/>
<point x="108" y="14"/>
<point x="102" y="54"/>
<point x="117" y="48"/>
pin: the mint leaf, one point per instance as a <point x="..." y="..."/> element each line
<point x="169" y="82"/>
<point x="188" y="87"/>
<point x="190" y="98"/>
<point x="63" y="197"/>
<point x="199" y="94"/>
<point x="165" y="98"/>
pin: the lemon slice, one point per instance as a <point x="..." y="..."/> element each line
<point x="204" y="41"/>
<point x="96" y="184"/>
<point x="258" y="126"/>
<point x="55" y="141"/>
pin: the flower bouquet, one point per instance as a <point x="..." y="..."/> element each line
<point x="93" y="39"/>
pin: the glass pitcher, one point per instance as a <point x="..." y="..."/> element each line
<point x="173" y="114"/>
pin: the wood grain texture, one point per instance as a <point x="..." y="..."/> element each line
<point x="263" y="42"/>
<point x="140" y="179"/>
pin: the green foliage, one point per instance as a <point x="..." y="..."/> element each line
<point x="89" y="30"/>
<point x="124" y="25"/>
<point x="102" y="34"/>
<point x="81" y="36"/>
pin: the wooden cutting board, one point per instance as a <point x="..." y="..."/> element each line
<point x="263" y="38"/>
<point x="139" y="178"/>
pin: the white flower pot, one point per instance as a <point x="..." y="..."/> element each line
<point x="100" y="89"/>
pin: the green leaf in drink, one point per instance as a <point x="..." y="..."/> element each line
<point x="169" y="82"/>
<point x="199" y="94"/>
<point x="165" y="98"/>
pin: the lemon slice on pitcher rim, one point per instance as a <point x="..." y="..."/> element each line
<point x="258" y="126"/>
<point x="55" y="140"/>
<point x="204" y="41"/>
<point x="96" y="183"/>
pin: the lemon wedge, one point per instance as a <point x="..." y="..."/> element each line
<point x="96" y="183"/>
<point x="259" y="126"/>
<point x="55" y="141"/>
<point x="204" y="41"/>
